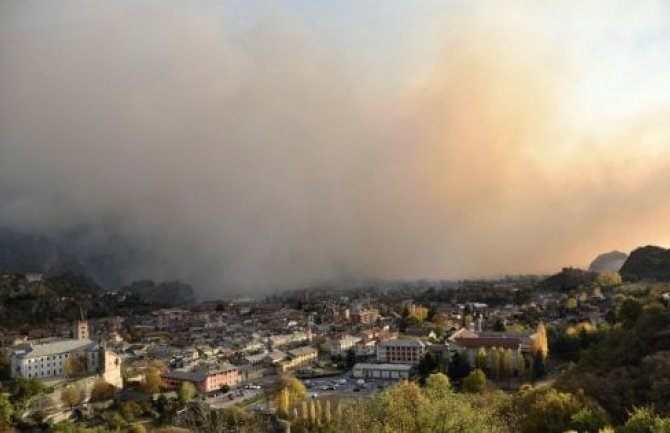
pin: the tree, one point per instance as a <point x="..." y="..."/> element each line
<point x="351" y="358"/>
<point x="437" y="385"/>
<point x="432" y="314"/>
<point x="608" y="279"/>
<point x="137" y="428"/>
<point x="152" y="381"/>
<point x="327" y="417"/>
<point x="522" y="368"/>
<point x="76" y="364"/>
<point x="130" y="410"/>
<point x="541" y="343"/>
<point x="4" y="365"/>
<point x="23" y="389"/>
<point x="296" y="389"/>
<point x="6" y="411"/>
<point x="495" y="363"/>
<point x="419" y="314"/>
<point x="628" y="311"/>
<point x="459" y="366"/>
<point x="508" y="363"/>
<point x="72" y="396"/>
<point x="539" y="365"/>
<point x="426" y="365"/>
<point x="283" y="403"/>
<point x="475" y="382"/>
<point x="482" y="358"/>
<point x="102" y="391"/>
<point x="571" y="303"/>
<point x="186" y="392"/>
<point x="642" y="420"/>
<point x="552" y="411"/>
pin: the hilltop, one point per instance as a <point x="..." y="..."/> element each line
<point x="647" y="263"/>
<point x="33" y="299"/>
<point x="608" y="262"/>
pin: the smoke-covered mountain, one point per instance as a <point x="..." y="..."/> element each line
<point x="171" y="293"/>
<point x="104" y="255"/>
<point x="608" y="262"/>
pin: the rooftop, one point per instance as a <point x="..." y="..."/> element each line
<point x="500" y="342"/>
<point x="402" y="343"/>
<point x="387" y="367"/>
<point x="27" y="351"/>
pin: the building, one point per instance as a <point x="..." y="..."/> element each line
<point x="205" y="378"/>
<point x="366" y="348"/>
<point x="382" y="371"/>
<point x="400" y="351"/>
<point x="81" y="330"/>
<point x="111" y="369"/>
<point x="297" y="358"/>
<point x="340" y="346"/>
<point x="280" y="340"/>
<point x="472" y="342"/>
<point x="365" y="316"/>
<point x="47" y="360"/>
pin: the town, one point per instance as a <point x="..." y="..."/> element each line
<point x="158" y="365"/>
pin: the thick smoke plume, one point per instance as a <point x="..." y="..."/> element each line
<point x="249" y="159"/>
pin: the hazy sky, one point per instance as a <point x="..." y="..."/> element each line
<point x="258" y="144"/>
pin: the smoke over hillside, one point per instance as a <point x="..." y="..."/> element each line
<point x="180" y="146"/>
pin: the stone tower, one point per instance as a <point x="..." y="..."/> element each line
<point x="80" y="330"/>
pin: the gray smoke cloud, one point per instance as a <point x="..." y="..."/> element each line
<point x="249" y="159"/>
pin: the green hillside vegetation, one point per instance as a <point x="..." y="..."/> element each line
<point x="649" y="263"/>
<point x="569" y="279"/>
<point x="630" y="367"/>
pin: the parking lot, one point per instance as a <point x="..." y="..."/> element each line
<point x="333" y="388"/>
<point x="343" y="386"/>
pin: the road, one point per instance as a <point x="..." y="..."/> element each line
<point x="233" y="397"/>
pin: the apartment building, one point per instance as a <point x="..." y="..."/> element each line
<point x="400" y="351"/>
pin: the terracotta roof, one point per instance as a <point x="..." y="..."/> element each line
<point x="462" y="333"/>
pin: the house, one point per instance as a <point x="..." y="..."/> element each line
<point x="366" y="348"/>
<point x="205" y="378"/>
<point x="420" y="331"/>
<point x="340" y="346"/>
<point x="297" y="358"/>
<point x="364" y="316"/>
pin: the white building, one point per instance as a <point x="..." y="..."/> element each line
<point x="48" y="360"/>
<point x="382" y="371"/>
<point x="340" y="346"/>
